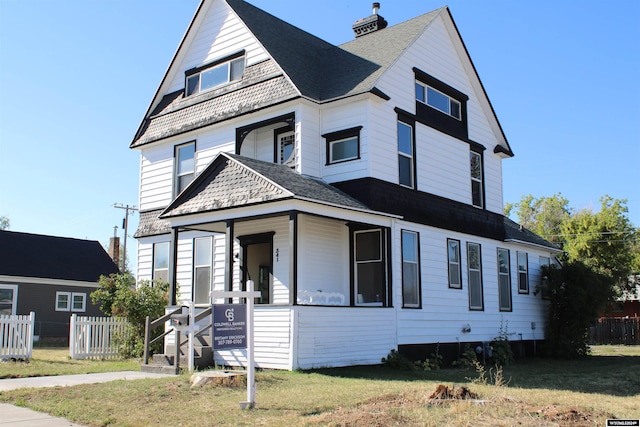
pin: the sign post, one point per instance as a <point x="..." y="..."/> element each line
<point x="234" y="329"/>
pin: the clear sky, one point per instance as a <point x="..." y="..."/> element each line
<point x="76" y="77"/>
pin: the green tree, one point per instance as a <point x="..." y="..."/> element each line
<point x="577" y="294"/>
<point x="4" y="223"/>
<point x="118" y="295"/>
<point x="543" y="216"/>
<point x="603" y="240"/>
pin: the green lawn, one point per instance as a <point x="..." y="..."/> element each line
<point x="538" y="392"/>
<point x="56" y="361"/>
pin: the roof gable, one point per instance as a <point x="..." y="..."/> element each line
<point x="50" y="257"/>
<point x="233" y="181"/>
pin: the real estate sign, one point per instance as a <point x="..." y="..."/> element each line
<point x="229" y="326"/>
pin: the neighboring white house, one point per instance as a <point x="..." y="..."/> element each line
<point x="359" y="186"/>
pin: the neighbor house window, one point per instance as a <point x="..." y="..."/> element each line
<point x="8" y="299"/>
<point x="523" y="273"/>
<point x="202" y="270"/>
<point x="370" y="268"/>
<point x="160" y="268"/>
<point x="184" y="166"/>
<point x="71" y="301"/>
<point x="343" y="145"/>
<point x="504" y="280"/>
<point x="285" y="147"/>
<point x="474" y="266"/>
<point x="438" y="100"/>
<point x="406" y="172"/>
<point x="476" y="179"/>
<point x="453" y="258"/>
<point x="410" y="269"/>
<point x="208" y="77"/>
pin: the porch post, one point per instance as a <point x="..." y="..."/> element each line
<point x="293" y="257"/>
<point x="228" y="257"/>
<point x="173" y="264"/>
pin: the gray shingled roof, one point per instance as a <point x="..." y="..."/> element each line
<point x="262" y="85"/>
<point x="151" y="225"/>
<point x="516" y="232"/>
<point x="235" y="181"/>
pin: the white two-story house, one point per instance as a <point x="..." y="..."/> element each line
<point x="359" y="186"/>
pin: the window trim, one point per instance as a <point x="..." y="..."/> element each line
<point x="342" y="135"/>
<point x="459" y="265"/>
<point x="197" y="71"/>
<point x="411" y="156"/>
<point x="69" y="306"/>
<point x="425" y="100"/>
<point x="480" y="180"/>
<point x="418" y="283"/>
<point x="521" y="289"/>
<point x="479" y="270"/>
<point x="14" y="297"/>
<point x="176" y="167"/>
<point x="508" y="277"/>
<point x="154" y="250"/>
<point x="196" y="266"/>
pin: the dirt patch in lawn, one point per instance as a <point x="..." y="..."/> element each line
<point x="414" y="409"/>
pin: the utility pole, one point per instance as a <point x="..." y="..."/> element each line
<point x="125" y="224"/>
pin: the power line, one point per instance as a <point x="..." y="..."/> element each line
<point x="125" y="225"/>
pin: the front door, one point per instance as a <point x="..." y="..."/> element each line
<point x="257" y="264"/>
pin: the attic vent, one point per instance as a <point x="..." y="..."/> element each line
<point x="370" y="24"/>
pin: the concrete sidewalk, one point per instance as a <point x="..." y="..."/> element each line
<point x="13" y="416"/>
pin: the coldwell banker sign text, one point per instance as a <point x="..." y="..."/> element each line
<point x="229" y="326"/>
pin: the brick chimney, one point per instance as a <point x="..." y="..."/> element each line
<point x="370" y="24"/>
<point x="114" y="249"/>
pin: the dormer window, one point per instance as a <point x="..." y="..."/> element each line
<point x="215" y="74"/>
<point x="438" y="100"/>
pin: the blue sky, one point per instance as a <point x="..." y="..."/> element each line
<point x="76" y="77"/>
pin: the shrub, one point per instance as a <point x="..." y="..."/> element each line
<point x="467" y="359"/>
<point x="501" y="347"/>
<point x="119" y="296"/>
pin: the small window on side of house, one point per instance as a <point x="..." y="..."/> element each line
<point x="438" y="100"/>
<point x="523" y="273"/>
<point x="406" y="170"/>
<point x="184" y="166"/>
<point x="160" y="267"/>
<point x="477" y="196"/>
<point x="504" y="280"/>
<point x="63" y="301"/>
<point x="343" y="145"/>
<point x="474" y="266"/>
<point x="453" y="258"/>
<point x="215" y="75"/>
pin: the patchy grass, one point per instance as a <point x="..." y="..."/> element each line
<point x="56" y="361"/>
<point x="539" y="392"/>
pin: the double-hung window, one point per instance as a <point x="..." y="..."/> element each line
<point x="438" y="100"/>
<point x="184" y="166"/>
<point x="202" y="269"/>
<point x="474" y="266"/>
<point x="406" y="153"/>
<point x="453" y="258"/>
<point x="410" y="269"/>
<point x="160" y="268"/>
<point x="370" y="268"/>
<point x="523" y="273"/>
<point x="504" y="280"/>
<point x="476" y="179"/>
<point x="208" y="77"/>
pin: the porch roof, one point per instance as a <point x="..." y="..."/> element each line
<point x="233" y="181"/>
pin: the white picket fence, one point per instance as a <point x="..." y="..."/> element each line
<point x="16" y="336"/>
<point x="92" y="337"/>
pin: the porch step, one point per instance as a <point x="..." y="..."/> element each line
<point x="164" y="363"/>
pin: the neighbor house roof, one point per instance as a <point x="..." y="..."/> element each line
<point x="50" y="257"/>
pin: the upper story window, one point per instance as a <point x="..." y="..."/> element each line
<point x="476" y="179"/>
<point x="184" y="166"/>
<point x="211" y="76"/>
<point x="438" y="100"/>
<point x="285" y="146"/>
<point x="343" y="145"/>
<point x="406" y="161"/>
<point x="440" y="106"/>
